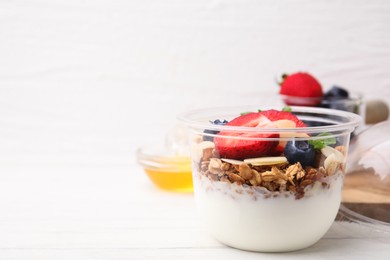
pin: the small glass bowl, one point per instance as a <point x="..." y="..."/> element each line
<point x="301" y="101"/>
<point x="167" y="170"/>
<point x="353" y="104"/>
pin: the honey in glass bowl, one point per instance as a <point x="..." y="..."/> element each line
<point x="168" y="171"/>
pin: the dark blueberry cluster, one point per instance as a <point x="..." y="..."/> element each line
<point x="334" y="97"/>
<point x="336" y="93"/>
<point x="209" y="134"/>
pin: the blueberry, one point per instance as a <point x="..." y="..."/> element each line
<point x="219" y="122"/>
<point x="336" y="92"/>
<point x="210" y="133"/>
<point x="299" y="151"/>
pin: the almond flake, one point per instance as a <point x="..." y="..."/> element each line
<point x="231" y="161"/>
<point x="266" y="161"/>
<point x="328" y="151"/>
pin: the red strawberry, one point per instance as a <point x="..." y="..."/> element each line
<point x="233" y="145"/>
<point x="301" y="89"/>
<point x="275" y="115"/>
<point x="279" y="118"/>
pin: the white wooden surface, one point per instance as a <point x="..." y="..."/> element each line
<point x="114" y="212"/>
<point x="84" y="83"/>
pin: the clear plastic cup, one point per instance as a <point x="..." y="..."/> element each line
<point x="255" y="194"/>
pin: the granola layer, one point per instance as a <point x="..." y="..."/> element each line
<point x="277" y="176"/>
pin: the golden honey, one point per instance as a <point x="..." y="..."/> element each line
<point x="174" y="174"/>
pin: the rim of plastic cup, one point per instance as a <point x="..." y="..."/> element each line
<point x="192" y="119"/>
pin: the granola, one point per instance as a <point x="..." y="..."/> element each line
<point x="275" y="174"/>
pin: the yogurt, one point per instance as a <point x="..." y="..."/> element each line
<point x="253" y="219"/>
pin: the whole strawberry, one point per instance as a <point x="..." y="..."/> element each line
<point x="301" y="89"/>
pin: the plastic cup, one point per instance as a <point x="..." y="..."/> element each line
<point x="253" y="193"/>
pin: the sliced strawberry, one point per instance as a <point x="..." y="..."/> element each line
<point x="275" y="115"/>
<point x="284" y="119"/>
<point x="237" y="145"/>
<point x="253" y="119"/>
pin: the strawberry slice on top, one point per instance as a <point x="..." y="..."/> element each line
<point x="284" y="119"/>
<point x="238" y="145"/>
<point x="276" y="115"/>
<point x="243" y="145"/>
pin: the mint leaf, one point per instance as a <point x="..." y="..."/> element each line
<point x="321" y="143"/>
<point x="317" y="144"/>
<point x="286" y="109"/>
<point x="328" y="141"/>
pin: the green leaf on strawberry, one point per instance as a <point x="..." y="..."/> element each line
<point x="244" y="113"/>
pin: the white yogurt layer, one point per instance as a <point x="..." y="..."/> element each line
<point x="246" y="218"/>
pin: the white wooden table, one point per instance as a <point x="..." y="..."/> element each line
<point x="87" y="211"/>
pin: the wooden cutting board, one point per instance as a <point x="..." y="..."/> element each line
<point x="366" y="193"/>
